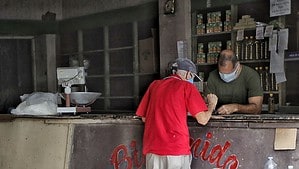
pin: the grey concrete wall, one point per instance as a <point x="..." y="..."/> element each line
<point x="174" y="27"/>
<point x="29" y="9"/>
<point x="115" y="142"/>
<point x="29" y="144"/>
<point x="45" y="63"/>
<point x="34" y="9"/>
<point x="75" y="8"/>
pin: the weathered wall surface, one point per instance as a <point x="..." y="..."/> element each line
<point x="116" y="143"/>
<point x="29" y="144"/>
<point x="34" y="9"/>
<point x="172" y="28"/>
<point x="75" y="8"/>
<point x="29" y="9"/>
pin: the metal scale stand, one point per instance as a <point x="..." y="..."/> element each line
<point x="68" y="76"/>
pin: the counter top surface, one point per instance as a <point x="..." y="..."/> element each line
<point x="256" y="117"/>
<point x="232" y="117"/>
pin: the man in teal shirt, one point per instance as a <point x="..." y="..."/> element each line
<point x="237" y="86"/>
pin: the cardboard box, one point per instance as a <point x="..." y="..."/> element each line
<point x="147" y="56"/>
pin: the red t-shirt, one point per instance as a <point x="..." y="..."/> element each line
<point x="165" y="106"/>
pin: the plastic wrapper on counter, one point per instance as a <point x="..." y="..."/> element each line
<point x="37" y="103"/>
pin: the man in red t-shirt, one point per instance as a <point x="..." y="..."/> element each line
<point x="164" y="109"/>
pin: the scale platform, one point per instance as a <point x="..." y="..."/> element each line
<point x="62" y="110"/>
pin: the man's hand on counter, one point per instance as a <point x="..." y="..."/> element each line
<point x="217" y="117"/>
<point x="227" y="109"/>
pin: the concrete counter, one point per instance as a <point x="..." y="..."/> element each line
<point x="114" y="141"/>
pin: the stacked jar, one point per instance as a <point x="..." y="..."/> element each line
<point x="201" y="56"/>
<point x="214" y="48"/>
<point x="200" y="27"/>
<point x="214" y="23"/>
<point x="228" y="25"/>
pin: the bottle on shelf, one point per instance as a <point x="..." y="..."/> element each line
<point x="266" y="50"/>
<point x="270" y="164"/>
<point x="258" y="71"/>
<point x="262" y="78"/>
<point x="239" y="50"/>
<point x="257" y="45"/>
<point x="271" y="103"/>
<point x="273" y="85"/>
<point x="251" y="52"/>
<point x="246" y="48"/>
<point x="262" y="48"/>
<point x="266" y="79"/>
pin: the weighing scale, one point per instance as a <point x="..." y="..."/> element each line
<point x="68" y="76"/>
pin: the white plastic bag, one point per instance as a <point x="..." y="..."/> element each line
<point x="37" y="103"/>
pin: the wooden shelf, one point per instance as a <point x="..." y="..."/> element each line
<point x="291" y="59"/>
<point x="205" y="64"/>
<point x="213" y="34"/>
<point x="255" y="61"/>
<point x="237" y="10"/>
<point x="268" y="92"/>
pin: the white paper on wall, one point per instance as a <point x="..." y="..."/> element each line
<point x="182" y="48"/>
<point x="280" y="7"/>
<point x="283" y="35"/>
<point x="276" y="62"/>
<point x="268" y="31"/>
<point x="280" y="77"/>
<point x="259" y="32"/>
<point x="240" y="34"/>
<point x="278" y="43"/>
<point x="273" y="42"/>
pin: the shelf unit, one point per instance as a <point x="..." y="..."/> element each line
<point x="114" y="63"/>
<point x="236" y="12"/>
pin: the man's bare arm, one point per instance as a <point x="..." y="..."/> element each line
<point x="254" y="106"/>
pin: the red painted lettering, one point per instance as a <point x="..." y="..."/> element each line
<point x="232" y="162"/>
<point x="195" y="145"/>
<point x="205" y="147"/>
<point x="135" y="155"/>
<point x="216" y="153"/>
<point x="120" y="158"/>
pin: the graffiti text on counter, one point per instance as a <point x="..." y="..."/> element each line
<point x="127" y="158"/>
<point x="215" y="156"/>
<point x="130" y="158"/>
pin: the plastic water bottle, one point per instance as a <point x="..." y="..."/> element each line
<point x="270" y="164"/>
